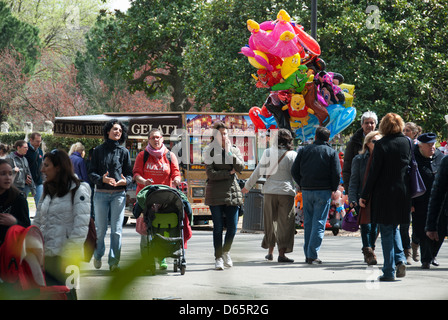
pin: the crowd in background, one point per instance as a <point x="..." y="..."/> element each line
<point x="375" y="178"/>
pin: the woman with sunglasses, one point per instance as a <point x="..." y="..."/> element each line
<point x="62" y="215"/>
<point x="361" y="165"/>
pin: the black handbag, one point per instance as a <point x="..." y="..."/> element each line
<point x="418" y="187"/>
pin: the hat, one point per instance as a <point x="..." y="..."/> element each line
<point x="427" y="137"/>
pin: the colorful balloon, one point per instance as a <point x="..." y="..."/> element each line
<point x="302" y="94"/>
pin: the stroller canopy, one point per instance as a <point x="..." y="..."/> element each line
<point x="22" y="257"/>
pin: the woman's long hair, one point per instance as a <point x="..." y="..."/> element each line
<point x="62" y="183"/>
<point x="13" y="191"/>
<point x="369" y="137"/>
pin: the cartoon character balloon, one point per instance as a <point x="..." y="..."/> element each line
<point x="303" y="95"/>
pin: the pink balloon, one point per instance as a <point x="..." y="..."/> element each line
<point x="285" y="48"/>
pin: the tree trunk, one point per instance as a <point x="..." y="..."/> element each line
<point x="180" y="99"/>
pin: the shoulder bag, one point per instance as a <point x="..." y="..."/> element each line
<point x="418" y="187"/>
<point x="275" y="168"/>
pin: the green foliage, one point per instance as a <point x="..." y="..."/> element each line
<point x="51" y="142"/>
<point x="145" y="46"/>
<point x="399" y="65"/>
<point x="19" y="35"/>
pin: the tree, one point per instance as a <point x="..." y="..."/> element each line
<point x="19" y="35"/>
<point x="12" y="79"/>
<point x="395" y="55"/>
<point x="106" y="90"/>
<point x="62" y="24"/>
<point x="216" y="73"/>
<point x="45" y="95"/>
<point x="145" y="45"/>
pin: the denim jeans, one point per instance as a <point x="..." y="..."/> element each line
<point x="392" y="248"/>
<point x="220" y="215"/>
<point x="369" y="233"/>
<point x="113" y="203"/>
<point x="39" y="192"/>
<point x="316" y="205"/>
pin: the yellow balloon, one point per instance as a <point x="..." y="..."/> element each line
<point x="290" y="65"/>
<point x="349" y="88"/>
<point x="254" y="62"/>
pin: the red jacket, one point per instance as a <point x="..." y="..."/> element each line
<point x="161" y="171"/>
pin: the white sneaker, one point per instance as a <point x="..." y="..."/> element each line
<point x="227" y="260"/>
<point x="219" y="264"/>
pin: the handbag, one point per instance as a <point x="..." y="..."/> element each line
<point x="141" y="227"/>
<point x="275" y="168"/>
<point x="90" y="242"/>
<point x="350" y="222"/>
<point x="418" y="187"/>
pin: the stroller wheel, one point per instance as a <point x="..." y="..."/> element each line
<point x="175" y="265"/>
<point x="182" y="270"/>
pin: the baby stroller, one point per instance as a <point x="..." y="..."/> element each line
<point x="164" y="211"/>
<point x="22" y="267"/>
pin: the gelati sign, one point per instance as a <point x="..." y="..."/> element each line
<point x="167" y="124"/>
<point x="137" y="126"/>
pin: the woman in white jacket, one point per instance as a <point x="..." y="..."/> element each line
<point x="279" y="193"/>
<point x="63" y="216"/>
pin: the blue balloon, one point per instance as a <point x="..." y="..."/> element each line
<point x="340" y="118"/>
<point x="268" y="121"/>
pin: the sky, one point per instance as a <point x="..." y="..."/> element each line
<point x="122" y="5"/>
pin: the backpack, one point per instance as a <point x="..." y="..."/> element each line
<point x="146" y="156"/>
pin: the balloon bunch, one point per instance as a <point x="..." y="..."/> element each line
<point x="302" y="94"/>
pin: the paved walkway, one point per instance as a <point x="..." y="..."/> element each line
<point x="342" y="276"/>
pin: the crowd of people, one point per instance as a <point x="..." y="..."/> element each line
<point x="376" y="178"/>
<point x="69" y="191"/>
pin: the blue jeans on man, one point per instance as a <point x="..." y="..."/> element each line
<point x="220" y="215"/>
<point x="39" y="192"/>
<point x="113" y="203"/>
<point x="316" y="205"/>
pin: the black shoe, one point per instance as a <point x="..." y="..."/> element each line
<point x="269" y="257"/>
<point x="314" y="261"/>
<point x="384" y="278"/>
<point x="425" y="265"/>
<point x="434" y="262"/>
<point x="285" y="259"/>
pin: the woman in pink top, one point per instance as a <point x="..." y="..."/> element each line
<point x="154" y="166"/>
<point x="157" y="169"/>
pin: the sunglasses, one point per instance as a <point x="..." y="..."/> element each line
<point x="374" y="141"/>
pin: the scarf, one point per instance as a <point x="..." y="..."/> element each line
<point x="158" y="153"/>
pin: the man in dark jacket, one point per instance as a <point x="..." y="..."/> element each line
<point x="316" y="170"/>
<point x="436" y="223"/>
<point x="35" y="157"/>
<point x="369" y="121"/>
<point x="428" y="159"/>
